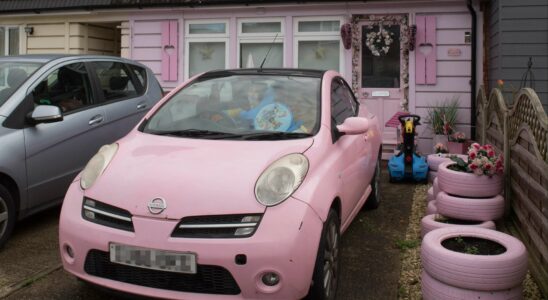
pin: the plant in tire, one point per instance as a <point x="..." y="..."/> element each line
<point x="482" y="160"/>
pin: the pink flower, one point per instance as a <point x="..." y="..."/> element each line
<point x="478" y="171"/>
<point x="476" y="146"/>
<point x="473" y="166"/>
<point x="488" y="166"/>
<point x="472" y="154"/>
<point x="490" y="153"/>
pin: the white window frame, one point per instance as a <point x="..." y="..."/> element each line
<point x="205" y="38"/>
<point x="7" y="38"/>
<point x="317" y="36"/>
<point x="260" y="37"/>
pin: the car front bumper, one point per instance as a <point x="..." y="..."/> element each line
<point x="285" y="243"/>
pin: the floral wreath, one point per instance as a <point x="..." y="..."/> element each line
<point x="379" y="42"/>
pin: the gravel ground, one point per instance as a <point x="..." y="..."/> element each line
<point x="409" y="286"/>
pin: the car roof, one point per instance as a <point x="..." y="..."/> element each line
<point x="45" y="58"/>
<point x="264" y="71"/>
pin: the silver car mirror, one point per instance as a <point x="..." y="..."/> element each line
<point x="46" y="114"/>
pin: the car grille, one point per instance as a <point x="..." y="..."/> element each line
<point x="220" y="226"/>
<point x="207" y="280"/>
<point x="106" y="215"/>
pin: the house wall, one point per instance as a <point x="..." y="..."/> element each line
<point x="518" y="30"/>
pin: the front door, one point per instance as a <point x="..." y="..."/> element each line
<point x="379" y="73"/>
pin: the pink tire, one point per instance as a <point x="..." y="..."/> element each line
<point x="434" y="160"/>
<point x="475" y="272"/>
<point x="473" y="209"/>
<point x="468" y="184"/>
<point x="433" y="289"/>
<point x="436" y="187"/>
<point x="429" y="223"/>
<point x="430" y="195"/>
<point x="431" y="208"/>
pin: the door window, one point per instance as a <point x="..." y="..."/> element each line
<point x="114" y="80"/>
<point x="67" y="87"/>
<point x="343" y="103"/>
<point x="140" y="74"/>
<point x="380" y="56"/>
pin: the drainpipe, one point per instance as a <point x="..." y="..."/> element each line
<point x="474" y="62"/>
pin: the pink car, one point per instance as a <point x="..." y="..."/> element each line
<point x="237" y="185"/>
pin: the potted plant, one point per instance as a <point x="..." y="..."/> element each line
<point x="442" y="119"/>
<point x="479" y="176"/>
<point x="456" y="143"/>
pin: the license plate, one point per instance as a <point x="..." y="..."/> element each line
<point x="179" y="262"/>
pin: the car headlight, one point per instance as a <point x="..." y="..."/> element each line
<point x="96" y="165"/>
<point x="281" y="179"/>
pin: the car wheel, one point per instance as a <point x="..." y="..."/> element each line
<point x="326" y="271"/>
<point x="7" y="215"/>
<point x="374" y="198"/>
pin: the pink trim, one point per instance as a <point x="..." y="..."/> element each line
<point x="165" y="55"/>
<point x="420" y="59"/>
<point x="431" y="57"/>
<point x="174" y="42"/>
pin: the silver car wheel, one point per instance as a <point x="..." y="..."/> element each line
<point x="377" y="179"/>
<point x="331" y="260"/>
<point x="3" y="216"/>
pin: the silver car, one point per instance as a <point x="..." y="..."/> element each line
<point x="55" y="113"/>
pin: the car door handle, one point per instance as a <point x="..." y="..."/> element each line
<point x="141" y="106"/>
<point x="95" y="120"/>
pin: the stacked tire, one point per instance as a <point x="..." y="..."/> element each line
<point x="434" y="160"/>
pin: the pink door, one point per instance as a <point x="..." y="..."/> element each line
<point x="379" y="69"/>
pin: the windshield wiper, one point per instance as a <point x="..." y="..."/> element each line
<point x="195" y="133"/>
<point x="275" y="135"/>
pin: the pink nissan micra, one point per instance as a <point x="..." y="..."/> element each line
<point x="237" y="185"/>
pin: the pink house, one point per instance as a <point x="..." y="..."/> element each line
<point x="398" y="55"/>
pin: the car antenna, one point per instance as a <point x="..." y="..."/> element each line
<point x="268" y="52"/>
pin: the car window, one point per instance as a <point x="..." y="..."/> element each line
<point x="13" y="75"/>
<point x="140" y="74"/>
<point x="114" y="80"/>
<point x="242" y="104"/>
<point x="67" y="87"/>
<point x="343" y="104"/>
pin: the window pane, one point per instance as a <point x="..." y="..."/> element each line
<point x="320" y="55"/>
<point x="115" y="81"/>
<point x="67" y="87"/>
<point x="319" y="26"/>
<point x="381" y="71"/>
<point x="141" y="75"/>
<point x="251" y="55"/>
<point x="261" y="27"/>
<point x="2" y="41"/>
<point x="206" y="56"/>
<point x="342" y="102"/>
<point x="207" y="28"/>
<point x="14" y="41"/>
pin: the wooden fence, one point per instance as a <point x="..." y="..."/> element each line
<point x="521" y="133"/>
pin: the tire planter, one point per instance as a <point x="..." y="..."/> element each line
<point x="436" y="187"/>
<point x="430" y="195"/>
<point x="431" y="208"/>
<point x="473" y="209"/>
<point x="433" y="289"/>
<point x="429" y="223"/>
<point x="468" y="184"/>
<point x="476" y="272"/>
<point x="434" y="160"/>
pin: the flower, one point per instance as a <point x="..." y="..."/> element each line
<point x="482" y="160"/>
<point x="440" y="148"/>
<point x="379" y="42"/>
<point x="458" y="137"/>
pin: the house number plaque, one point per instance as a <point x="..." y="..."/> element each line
<point x="380" y="94"/>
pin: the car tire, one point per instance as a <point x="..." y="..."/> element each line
<point x="429" y="223"/>
<point x="330" y="245"/>
<point x="7" y="215"/>
<point x="374" y="198"/>
<point x="472" y="209"/>
<point x="433" y="289"/>
<point x="474" y="272"/>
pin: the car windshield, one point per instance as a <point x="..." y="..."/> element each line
<point x="12" y="75"/>
<point x="241" y="107"/>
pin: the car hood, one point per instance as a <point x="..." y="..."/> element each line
<point x="194" y="176"/>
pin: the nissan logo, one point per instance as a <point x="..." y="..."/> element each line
<point x="157" y="206"/>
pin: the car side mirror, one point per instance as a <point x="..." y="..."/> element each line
<point x="46" y="114"/>
<point x="354" y="125"/>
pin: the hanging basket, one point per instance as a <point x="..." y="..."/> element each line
<point x="346" y="35"/>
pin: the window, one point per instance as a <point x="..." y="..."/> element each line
<point x="9" y="40"/>
<point x="12" y="75"/>
<point x="114" y="80"/>
<point x="381" y="71"/>
<point x="140" y="74"/>
<point x="206" y="46"/>
<point x="317" y="44"/>
<point x="67" y="87"/>
<point x="343" y="103"/>
<point x="256" y="37"/>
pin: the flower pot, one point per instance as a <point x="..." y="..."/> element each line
<point x="430" y="195"/>
<point x="434" y="160"/>
<point x="439" y="138"/>
<point x="435" y="221"/>
<point x="473" y="209"/>
<point x="433" y="289"/>
<point x="435" y="188"/>
<point x="456" y="148"/>
<point x="468" y="184"/>
<point x="499" y="271"/>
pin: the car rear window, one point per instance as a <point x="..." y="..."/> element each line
<point x="115" y="81"/>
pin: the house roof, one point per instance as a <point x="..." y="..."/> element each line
<point x="37" y="6"/>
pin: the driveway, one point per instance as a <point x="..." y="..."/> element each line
<point x="30" y="266"/>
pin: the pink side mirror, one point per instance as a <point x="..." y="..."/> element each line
<point x="354" y="125"/>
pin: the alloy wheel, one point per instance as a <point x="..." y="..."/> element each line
<point x="331" y="260"/>
<point x="3" y="216"/>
